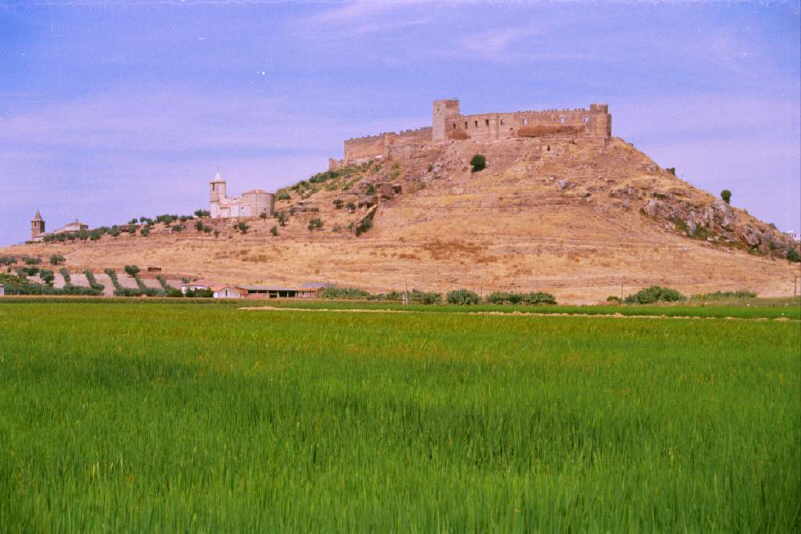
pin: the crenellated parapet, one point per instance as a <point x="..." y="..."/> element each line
<point x="379" y="146"/>
<point x="594" y="122"/>
<point x="448" y="123"/>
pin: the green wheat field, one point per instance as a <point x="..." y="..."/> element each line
<point x="157" y="417"/>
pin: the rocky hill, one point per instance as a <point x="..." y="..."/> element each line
<point x="581" y="219"/>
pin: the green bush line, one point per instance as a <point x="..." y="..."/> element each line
<point x="140" y="283"/>
<point x="112" y="274"/>
<point x="144" y="224"/>
<point x="746" y="312"/>
<point x="97" y="298"/>
<point x="778" y="311"/>
<point x="717" y="295"/>
<point x="164" y="285"/>
<point x="120" y="291"/>
<point x="17" y="285"/>
<point x="653" y="294"/>
<point x="459" y="296"/>
<point x="65" y="273"/>
<point x="47" y="276"/>
<point x="93" y="283"/>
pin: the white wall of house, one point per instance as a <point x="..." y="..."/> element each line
<point x="227" y="293"/>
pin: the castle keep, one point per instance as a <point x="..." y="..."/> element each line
<point x="250" y="204"/>
<point x="448" y="123"/>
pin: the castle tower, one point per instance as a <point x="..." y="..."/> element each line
<point x="600" y="121"/>
<point x="442" y="111"/>
<point x="37" y="225"/>
<point x="218" y="189"/>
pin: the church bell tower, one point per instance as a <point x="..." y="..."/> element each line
<point x="37" y="225"/>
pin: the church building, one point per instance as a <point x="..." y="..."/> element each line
<point x="251" y="204"/>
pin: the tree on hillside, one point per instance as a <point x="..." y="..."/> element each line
<point x="479" y="162"/>
<point x="726" y="196"/>
<point x="132" y="270"/>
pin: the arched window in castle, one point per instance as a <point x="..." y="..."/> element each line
<point x="486" y="122"/>
<point x="525" y="121"/>
<point x="465" y="125"/>
<point x="476" y="124"/>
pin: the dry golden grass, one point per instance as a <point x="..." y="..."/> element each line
<point x="507" y="228"/>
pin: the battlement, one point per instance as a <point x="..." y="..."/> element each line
<point x="402" y="133"/>
<point x="448" y="123"/>
<point x="379" y="146"/>
<point x="594" y="122"/>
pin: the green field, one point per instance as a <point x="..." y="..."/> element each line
<point x="142" y="417"/>
<point x="786" y="308"/>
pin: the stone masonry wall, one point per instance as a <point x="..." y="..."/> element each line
<point x="363" y="148"/>
<point x="448" y="123"/>
<point x="593" y="122"/>
<point x="379" y="146"/>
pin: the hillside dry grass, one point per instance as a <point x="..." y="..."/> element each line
<point x="172" y="417"/>
<point x="510" y="227"/>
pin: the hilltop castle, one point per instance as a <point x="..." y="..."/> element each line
<point x="447" y="123"/>
<point x="250" y="204"/>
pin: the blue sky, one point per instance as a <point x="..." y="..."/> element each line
<point x="112" y="109"/>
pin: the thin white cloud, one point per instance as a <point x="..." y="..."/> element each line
<point x="357" y="11"/>
<point x="161" y="119"/>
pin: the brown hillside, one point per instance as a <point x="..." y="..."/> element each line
<point x="582" y="219"/>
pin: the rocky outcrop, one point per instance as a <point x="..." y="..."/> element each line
<point x="718" y="222"/>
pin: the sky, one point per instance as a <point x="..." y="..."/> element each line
<point x="114" y="109"/>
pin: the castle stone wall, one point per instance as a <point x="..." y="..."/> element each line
<point x="593" y="122"/>
<point x="364" y="148"/>
<point x="380" y="146"/>
<point x="447" y="123"/>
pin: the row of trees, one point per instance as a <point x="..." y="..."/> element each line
<point x="20" y="285"/>
<point x="461" y="297"/>
<point x="141" y="224"/>
<point x="55" y="259"/>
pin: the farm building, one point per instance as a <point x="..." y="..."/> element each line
<point x="273" y="292"/>
<point x="227" y="292"/>
<point x="236" y="291"/>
